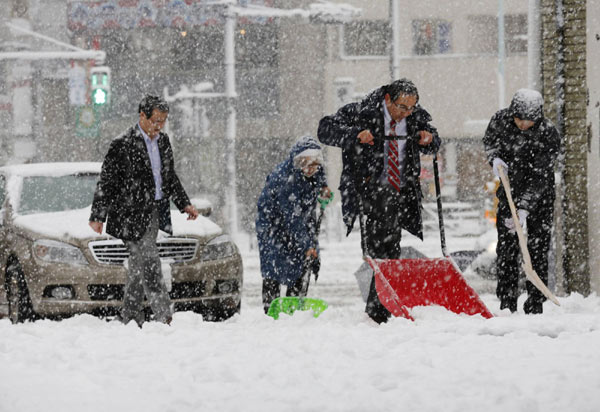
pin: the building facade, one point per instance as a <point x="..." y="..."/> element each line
<point x="289" y="72"/>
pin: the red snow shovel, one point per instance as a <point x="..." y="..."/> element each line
<point x="402" y="284"/>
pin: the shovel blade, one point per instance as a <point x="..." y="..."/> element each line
<point x="407" y="283"/>
<point x="290" y="304"/>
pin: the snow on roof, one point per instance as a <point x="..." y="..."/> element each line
<point x="51" y="169"/>
<point x="324" y="11"/>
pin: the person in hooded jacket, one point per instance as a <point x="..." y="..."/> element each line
<point x="285" y="222"/>
<point x="381" y="139"/>
<point x="526" y="145"/>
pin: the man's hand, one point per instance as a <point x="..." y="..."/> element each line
<point x="312" y="252"/>
<point x="191" y="211"/>
<point x="96" y="226"/>
<point x="425" y="138"/>
<point x="325" y="196"/>
<point x="365" y="137"/>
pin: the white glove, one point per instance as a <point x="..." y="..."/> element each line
<point x="522" y="214"/>
<point x="510" y="223"/>
<point x="499" y="162"/>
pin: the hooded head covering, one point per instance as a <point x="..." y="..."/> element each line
<point x="527" y="104"/>
<point x="306" y="147"/>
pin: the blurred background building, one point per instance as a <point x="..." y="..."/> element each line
<point x="467" y="57"/>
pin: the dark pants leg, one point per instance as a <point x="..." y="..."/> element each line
<point x="144" y="277"/>
<point x="271" y="290"/>
<point x="296" y="288"/>
<point x="538" y="242"/>
<point x="383" y="210"/>
<point x="509" y="259"/>
<point x="508" y="265"/>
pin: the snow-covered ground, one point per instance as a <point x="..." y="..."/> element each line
<point x="340" y="361"/>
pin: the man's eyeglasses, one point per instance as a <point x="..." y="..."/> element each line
<point x="403" y="107"/>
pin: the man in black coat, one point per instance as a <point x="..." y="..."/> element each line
<point x="137" y="180"/>
<point x="526" y="145"/>
<point x="381" y="139"/>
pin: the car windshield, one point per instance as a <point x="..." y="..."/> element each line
<point x="57" y="193"/>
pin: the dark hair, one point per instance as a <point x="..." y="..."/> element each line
<point x="400" y="87"/>
<point x="149" y="103"/>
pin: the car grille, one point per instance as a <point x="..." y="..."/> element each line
<point x="114" y="252"/>
<point x="179" y="290"/>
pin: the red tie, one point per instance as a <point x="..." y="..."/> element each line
<point x="393" y="170"/>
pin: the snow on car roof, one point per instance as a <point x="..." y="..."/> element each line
<point x="51" y="169"/>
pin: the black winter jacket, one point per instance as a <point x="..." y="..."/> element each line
<point x="530" y="156"/>
<point x="341" y="130"/>
<point x="126" y="189"/>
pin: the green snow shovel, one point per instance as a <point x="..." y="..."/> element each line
<point x="290" y="304"/>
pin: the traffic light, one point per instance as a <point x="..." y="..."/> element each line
<point x="100" y="82"/>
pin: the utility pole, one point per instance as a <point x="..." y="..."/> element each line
<point x="231" y="96"/>
<point x="533" y="46"/>
<point x="501" y="55"/>
<point x="395" y="58"/>
<point x="20" y="77"/>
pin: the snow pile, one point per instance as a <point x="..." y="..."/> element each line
<point x="340" y="361"/>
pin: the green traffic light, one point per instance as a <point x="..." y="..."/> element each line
<point x="99" y="96"/>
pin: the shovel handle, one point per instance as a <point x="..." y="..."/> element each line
<point x="527" y="266"/>
<point x="438" y="196"/>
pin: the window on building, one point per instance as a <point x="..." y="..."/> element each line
<point x="431" y="36"/>
<point x="366" y="38"/>
<point x="515" y="33"/>
<point x="483" y="34"/>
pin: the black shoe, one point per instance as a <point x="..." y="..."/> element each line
<point x="533" y="307"/>
<point x="510" y="304"/>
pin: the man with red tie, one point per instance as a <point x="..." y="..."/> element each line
<point x="381" y="138"/>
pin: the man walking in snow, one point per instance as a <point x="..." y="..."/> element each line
<point x="381" y="139"/>
<point x="525" y="144"/>
<point x="138" y="178"/>
<point x="285" y="223"/>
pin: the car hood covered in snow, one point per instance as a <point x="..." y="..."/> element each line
<point x="73" y="224"/>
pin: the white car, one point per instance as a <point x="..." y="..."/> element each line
<point x="53" y="264"/>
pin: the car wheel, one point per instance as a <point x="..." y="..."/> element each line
<point x="20" y="308"/>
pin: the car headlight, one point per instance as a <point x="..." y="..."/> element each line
<point x="218" y="248"/>
<point x="58" y="252"/>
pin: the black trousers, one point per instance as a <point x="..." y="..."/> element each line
<point x="271" y="290"/>
<point x="539" y="229"/>
<point x="384" y="209"/>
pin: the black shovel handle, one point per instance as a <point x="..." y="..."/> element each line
<point x="358" y="184"/>
<point x="438" y="195"/>
<point x="308" y="261"/>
